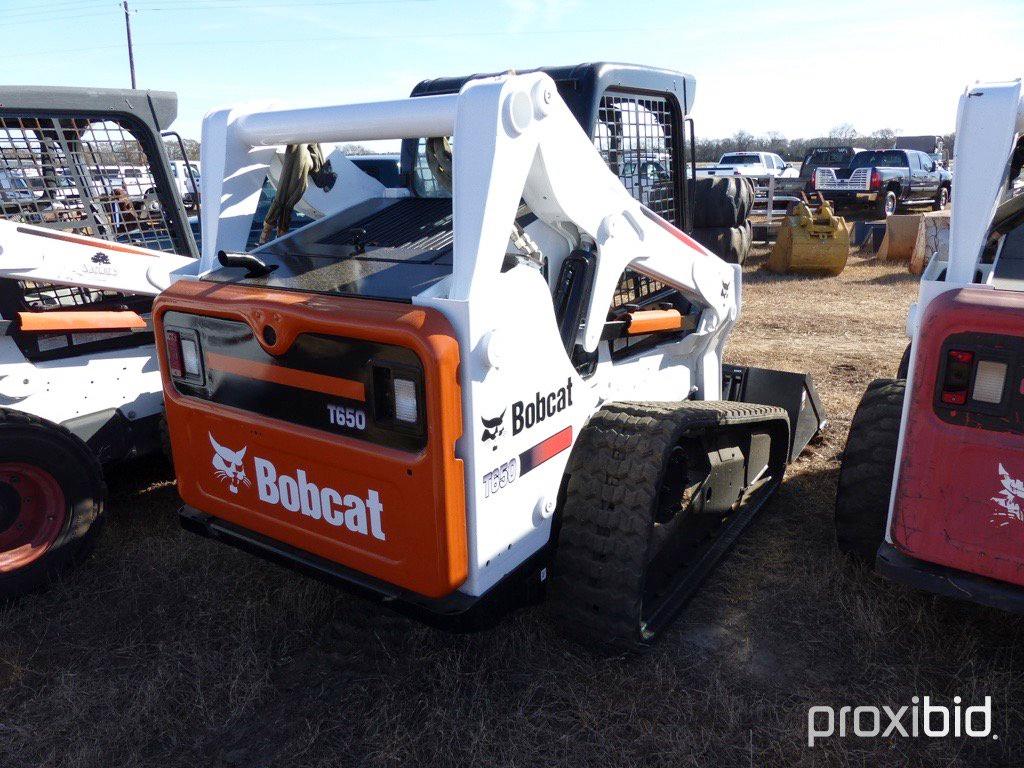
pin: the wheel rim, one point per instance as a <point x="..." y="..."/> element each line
<point x="943" y="198"/>
<point x="32" y="514"/>
<point x="890" y="205"/>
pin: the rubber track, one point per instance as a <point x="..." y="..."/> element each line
<point x="607" y="517"/>
<point x="866" y="473"/>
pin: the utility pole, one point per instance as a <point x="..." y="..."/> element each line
<point x="128" y="29"/>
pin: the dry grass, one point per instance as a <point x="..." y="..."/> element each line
<point x="169" y="650"/>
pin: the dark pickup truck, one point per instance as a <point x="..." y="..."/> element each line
<point x="827" y="157"/>
<point x="884" y="180"/>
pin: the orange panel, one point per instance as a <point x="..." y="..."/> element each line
<point x="412" y="504"/>
<point x="39" y="322"/>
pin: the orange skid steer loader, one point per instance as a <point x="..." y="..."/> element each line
<point x="508" y="372"/>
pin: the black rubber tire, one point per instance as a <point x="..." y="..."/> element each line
<point x="28" y="439"/>
<point x="731" y="244"/>
<point x="866" y="472"/>
<point x="607" y="518"/>
<point x="904" y="367"/>
<point x="941" y="198"/>
<point x="721" y="201"/>
<point x="886" y="205"/>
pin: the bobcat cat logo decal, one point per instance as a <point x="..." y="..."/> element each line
<point x="228" y="465"/>
<point x="1009" y="499"/>
<point x="493" y="429"/>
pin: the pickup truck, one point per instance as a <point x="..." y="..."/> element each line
<point x="759" y="164"/>
<point x="827" y="157"/>
<point x="884" y="180"/>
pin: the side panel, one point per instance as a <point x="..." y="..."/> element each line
<point x="959" y="497"/>
<point x="394" y="510"/>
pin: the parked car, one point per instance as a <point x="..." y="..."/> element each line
<point x="646" y="178"/>
<point x="884" y="180"/>
<point x="750" y="164"/>
<point x="183" y="180"/>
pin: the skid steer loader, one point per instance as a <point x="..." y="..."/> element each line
<point x="508" y="373"/>
<point x="930" y="489"/>
<point x="91" y="228"/>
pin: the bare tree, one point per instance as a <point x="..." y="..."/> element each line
<point x="356" y="149"/>
<point x="742" y="140"/>
<point x="174" y="150"/>
<point x="883" y="138"/>
<point x="844" y="133"/>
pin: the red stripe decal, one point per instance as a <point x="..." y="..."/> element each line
<point x="545" y="450"/>
<point x="677" y="233"/>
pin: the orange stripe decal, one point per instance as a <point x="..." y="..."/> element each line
<point x="289" y="377"/>
<point x="95" y="242"/>
<point x="41" y="322"/>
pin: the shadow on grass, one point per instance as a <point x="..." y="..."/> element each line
<point x="892" y="279"/>
<point x="218" y="659"/>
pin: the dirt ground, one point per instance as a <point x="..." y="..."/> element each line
<point x="169" y="650"/>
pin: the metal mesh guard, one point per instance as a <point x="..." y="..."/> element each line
<point x="84" y="176"/>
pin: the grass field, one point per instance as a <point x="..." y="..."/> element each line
<point x="169" y="650"/>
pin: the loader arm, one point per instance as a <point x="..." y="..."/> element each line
<point x="516" y="140"/>
<point x="45" y="255"/>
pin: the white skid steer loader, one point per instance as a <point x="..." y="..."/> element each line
<point x="84" y="246"/>
<point x="508" y="373"/>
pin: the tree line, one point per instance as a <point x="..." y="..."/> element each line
<point x="794" y="150"/>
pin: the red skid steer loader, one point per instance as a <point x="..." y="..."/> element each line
<point x="931" y="489"/>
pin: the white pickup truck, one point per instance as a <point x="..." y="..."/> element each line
<point x="757" y="164"/>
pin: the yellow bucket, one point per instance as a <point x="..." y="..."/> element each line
<point x="811" y="241"/>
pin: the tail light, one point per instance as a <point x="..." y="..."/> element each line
<point x="876" y="180"/>
<point x="174" y="355"/>
<point x="813" y="183"/>
<point x="959" y="367"/>
<point x="184" y="360"/>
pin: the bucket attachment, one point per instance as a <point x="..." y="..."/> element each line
<point x="811" y="240"/>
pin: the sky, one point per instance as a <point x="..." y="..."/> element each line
<point x="798" y="68"/>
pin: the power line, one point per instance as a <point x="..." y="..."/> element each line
<point x="56" y="14"/>
<point x="347" y="39"/>
<point x="209" y="5"/>
<point x="9" y="20"/>
<point x="34" y="22"/>
<point x="61" y="51"/>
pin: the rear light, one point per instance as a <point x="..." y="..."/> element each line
<point x="190" y="357"/>
<point x="959" y="367"/>
<point x="406" y="405"/>
<point x="989" y="382"/>
<point x="396" y="397"/>
<point x="813" y="183"/>
<point x="175" y="365"/>
<point x="876" y="180"/>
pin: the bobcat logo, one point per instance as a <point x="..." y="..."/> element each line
<point x="1009" y="499"/>
<point x="493" y="429"/>
<point x="228" y="465"/>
